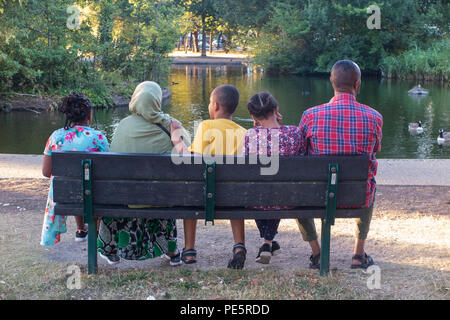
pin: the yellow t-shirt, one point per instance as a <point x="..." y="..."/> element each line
<point x="218" y="137"/>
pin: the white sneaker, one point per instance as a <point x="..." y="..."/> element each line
<point x="81" y="236"/>
<point x="112" y="260"/>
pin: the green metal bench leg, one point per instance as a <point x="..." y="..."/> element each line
<point x="330" y="216"/>
<point x="88" y="216"/>
<point x="325" y="251"/>
<point x="92" y="247"/>
<point x="210" y="190"/>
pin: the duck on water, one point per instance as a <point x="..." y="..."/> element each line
<point x="443" y="138"/>
<point x="415" y="128"/>
<point x="418" y="90"/>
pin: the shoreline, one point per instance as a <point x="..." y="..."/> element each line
<point x="214" y="59"/>
<point x="39" y="104"/>
<point x="210" y="61"/>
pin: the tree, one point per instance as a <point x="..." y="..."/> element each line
<point x="118" y="41"/>
<point x="204" y="9"/>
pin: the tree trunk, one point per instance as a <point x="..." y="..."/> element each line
<point x="138" y="26"/>
<point x="218" y="41"/>
<point x="227" y="46"/>
<point x="203" y="32"/>
<point x="204" y="43"/>
<point x="196" y="49"/>
<point x="157" y="6"/>
<point x="210" y="42"/>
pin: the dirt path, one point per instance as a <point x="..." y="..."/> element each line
<point x="409" y="239"/>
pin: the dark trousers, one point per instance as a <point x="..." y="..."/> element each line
<point x="268" y="228"/>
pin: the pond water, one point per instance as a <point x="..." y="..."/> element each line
<point x="27" y="132"/>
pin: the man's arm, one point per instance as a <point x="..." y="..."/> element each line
<point x="304" y="127"/>
<point x="379" y="135"/>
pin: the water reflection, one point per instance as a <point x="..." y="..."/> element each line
<point x="192" y="85"/>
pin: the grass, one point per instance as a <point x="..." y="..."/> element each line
<point x="409" y="239"/>
<point x="44" y="280"/>
<point x="429" y="64"/>
<point x="27" y="274"/>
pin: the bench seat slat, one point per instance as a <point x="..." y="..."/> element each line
<point x="228" y="194"/>
<point x="198" y="213"/>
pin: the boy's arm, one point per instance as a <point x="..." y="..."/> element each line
<point x="198" y="144"/>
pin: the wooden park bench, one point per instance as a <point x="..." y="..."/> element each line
<point x="104" y="184"/>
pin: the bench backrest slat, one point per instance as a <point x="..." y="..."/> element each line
<point x="115" y="166"/>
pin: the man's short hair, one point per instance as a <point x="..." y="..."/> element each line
<point x="344" y="74"/>
<point x="227" y="97"/>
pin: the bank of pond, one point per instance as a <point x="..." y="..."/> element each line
<point x="190" y="87"/>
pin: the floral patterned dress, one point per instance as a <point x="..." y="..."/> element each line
<point x="77" y="138"/>
<point x="283" y="141"/>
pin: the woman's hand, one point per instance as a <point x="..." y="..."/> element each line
<point x="175" y="124"/>
<point x="176" y="135"/>
<point x="175" y="131"/>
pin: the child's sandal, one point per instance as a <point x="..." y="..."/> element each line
<point x="189" y="253"/>
<point x="238" y="260"/>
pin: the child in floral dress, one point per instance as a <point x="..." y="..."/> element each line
<point x="269" y="138"/>
<point x="75" y="136"/>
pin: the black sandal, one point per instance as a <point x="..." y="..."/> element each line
<point x="189" y="253"/>
<point x="314" y="261"/>
<point x="366" y="261"/>
<point x="238" y="260"/>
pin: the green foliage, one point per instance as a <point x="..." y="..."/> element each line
<point x="431" y="63"/>
<point x="122" y="42"/>
<point x="310" y="36"/>
<point x="40" y="54"/>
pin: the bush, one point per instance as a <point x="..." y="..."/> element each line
<point x="426" y="64"/>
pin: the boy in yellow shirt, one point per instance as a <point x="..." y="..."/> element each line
<point x="218" y="136"/>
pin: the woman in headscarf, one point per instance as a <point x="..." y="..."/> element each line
<point x="146" y="130"/>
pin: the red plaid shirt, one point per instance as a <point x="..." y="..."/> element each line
<point x="344" y="127"/>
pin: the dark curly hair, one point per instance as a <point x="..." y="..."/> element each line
<point x="261" y="105"/>
<point x="76" y="107"/>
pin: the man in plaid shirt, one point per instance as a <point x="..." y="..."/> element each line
<point x="343" y="127"/>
